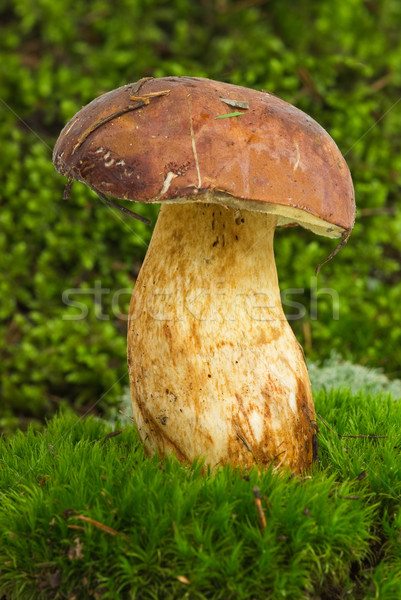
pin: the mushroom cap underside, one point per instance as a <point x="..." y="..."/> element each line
<point x="183" y="139"/>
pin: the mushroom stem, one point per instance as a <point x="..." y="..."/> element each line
<point x="215" y="369"/>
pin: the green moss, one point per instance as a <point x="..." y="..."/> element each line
<point x="328" y="535"/>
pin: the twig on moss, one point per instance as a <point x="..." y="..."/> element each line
<point x="259" y="508"/>
<point x="113" y="434"/>
<point x="349" y="497"/>
<point x="96" y="524"/>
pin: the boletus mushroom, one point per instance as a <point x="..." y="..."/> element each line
<point x="215" y="369"/>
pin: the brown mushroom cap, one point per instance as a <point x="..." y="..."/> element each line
<point x="139" y="144"/>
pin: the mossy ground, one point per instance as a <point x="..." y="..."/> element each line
<point x="176" y="532"/>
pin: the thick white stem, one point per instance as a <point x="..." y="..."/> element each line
<point x="215" y="368"/>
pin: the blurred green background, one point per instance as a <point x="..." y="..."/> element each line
<point x="337" y="60"/>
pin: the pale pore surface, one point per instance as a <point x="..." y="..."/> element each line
<point x="286" y="215"/>
<point x="215" y="369"/>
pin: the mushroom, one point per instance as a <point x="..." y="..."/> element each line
<point x="215" y="369"/>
